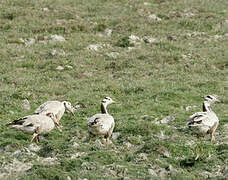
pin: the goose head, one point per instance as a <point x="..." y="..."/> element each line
<point x="208" y="100"/>
<point x="104" y="103"/>
<point x="211" y="99"/>
<point x="68" y="107"/>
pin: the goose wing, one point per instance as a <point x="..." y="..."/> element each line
<point x="101" y="123"/>
<point x="49" y="106"/>
<point x="205" y="119"/>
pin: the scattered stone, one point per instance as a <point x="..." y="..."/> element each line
<point x="154" y="17"/>
<point x="55" y="52"/>
<point x="134" y="40"/>
<point x="11" y="112"/>
<point x="49" y="160"/>
<point x="188" y="14"/>
<point x="60" y="68"/>
<point x="145" y="117"/>
<point x="147" y="4"/>
<point x="75" y="145"/>
<point x="149" y="40"/>
<point x="78" y="154"/>
<point x="194" y="34"/>
<point x="45" y="9"/>
<point x="131" y="48"/>
<point x="152" y="172"/>
<point x="113" y="54"/>
<point x="143" y="156"/>
<point x="115" y="135"/>
<point x="162" y="136"/>
<point x="25" y="104"/>
<point x="94" y="47"/>
<point x="34" y="147"/>
<point x="68" y="178"/>
<point x="84" y="139"/>
<point x="187" y="108"/>
<point x="167" y="119"/>
<point x="56" y="38"/>
<point x="28" y="41"/>
<point x="108" y="32"/>
<point x="163" y="151"/>
<point x="69" y="67"/>
<point x="217" y="37"/>
<point x="127" y="144"/>
<point x="172" y="38"/>
<point x="17" y="167"/>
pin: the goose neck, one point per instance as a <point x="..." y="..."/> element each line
<point x="104" y="108"/>
<point x="206" y="106"/>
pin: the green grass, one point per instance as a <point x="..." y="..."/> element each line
<point x="152" y="81"/>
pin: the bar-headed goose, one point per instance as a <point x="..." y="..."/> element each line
<point x="56" y="107"/>
<point x="102" y="124"/>
<point x="204" y="122"/>
<point x="35" y="124"/>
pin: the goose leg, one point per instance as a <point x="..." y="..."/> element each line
<point x="212" y="136"/>
<point x="212" y="131"/>
<point x="90" y="137"/>
<point x="107" y="138"/>
<point x="36" y="139"/>
<point x="198" y="137"/>
<point x="34" y="136"/>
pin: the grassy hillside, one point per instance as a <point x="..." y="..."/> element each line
<point x="155" y="58"/>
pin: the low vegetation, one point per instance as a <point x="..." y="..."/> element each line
<point x="157" y="59"/>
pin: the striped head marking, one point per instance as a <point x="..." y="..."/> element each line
<point x="107" y="100"/>
<point x="211" y="98"/>
<point x="69" y="106"/>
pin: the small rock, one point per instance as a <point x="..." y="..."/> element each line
<point x="75" y="145"/>
<point x="17" y="166"/>
<point x="68" y="178"/>
<point x="78" y="154"/>
<point x="154" y="17"/>
<point x="146" y="3"/>
<point x="56" y="38"/>
<point x="134" y="38"/>
<point x="217" y="37"/>
<point x="145" y="117"/>
<point x="84" y="139"/>
<point x="152" y="172"/>
<point x="45" y="9"/>
<point x="55" y="52"/>
<point x="69" y="67"/>
<point x="167" y="119"/>
<point x="94" y="47"/>
<point x="25" y="104"/>
<point x="188" y="14"/>
<point x="172" y="38"/>
<point x="187" y="108"/>
<point x="115" y="135"/>
<point x="17" y="153"/>
<point x="49" y="160"/>
<point x="11" y="112"/>
<point x="127" y="144"/>
<point x="108" y="32"/>
<point x="113" y="54"/>
<point x="28" y="41"/>
<point x="149" y="40"/>
<point x="162" y="150"/>
<point x="34" y="147"/>
<point x="143" y="156"/>
<point x="131" y="48"/>
<point x="60" y="68"/>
